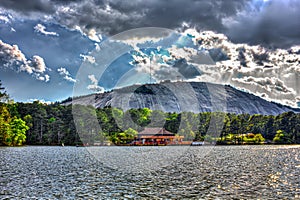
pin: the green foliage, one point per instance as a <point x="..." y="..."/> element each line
<point x="259" y="138"/>
<point x="18" y="132"/>
<point x="141" y="116"/>
<point x="125" y="137"/>
<point x="281" y="137"/>
<point x="12" y="130"/>
<point x="130" y="133"/>
<point x="3" y="94"/>
<point x="55" y="124"/>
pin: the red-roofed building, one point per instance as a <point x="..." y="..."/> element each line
<point x="157" y="136"/>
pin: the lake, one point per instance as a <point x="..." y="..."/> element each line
<point x="171" y="172"/>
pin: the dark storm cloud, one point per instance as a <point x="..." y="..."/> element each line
<point x="97" y="15"/>
<point x="113" y="17"/>
<point x="27" y="6"/>
<point x="186" y="70"/>
<point x="274" y="23"/>
<point x="202" y="13"/>
<point x="65" y="2"/>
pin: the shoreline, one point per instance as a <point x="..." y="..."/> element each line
<point x="152" y="145"/>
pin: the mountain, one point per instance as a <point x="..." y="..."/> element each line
<point x="183" y="96"/>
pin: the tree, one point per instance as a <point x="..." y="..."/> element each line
<point x="270" y="128"/>
<point x="3" y="95"/>
<point x="189" y="125"/>
<point x="204" y="121"/>
<point x="158" y="118"/>
<point x="118" y="116"/>
<point x="29" y="122"/>
<point x="123" y="137"/>
<point x="141" y="116"/>
<point x="259" y="138"/>
<point x="5" y="131"/>
<point x="39" y="114"/>
<point x="281" y="137"/>
<point x="130" y="133"/>
<point x="172" y="122"/>
<point x="53" y="132"/>
<point x="18" y="131"/>
<point x="12" y="128"/>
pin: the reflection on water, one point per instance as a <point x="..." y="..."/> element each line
<point x="140" y="159"/>
<point x="226" y="172"/>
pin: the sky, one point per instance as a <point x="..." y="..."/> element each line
<point x="49" y="47"/>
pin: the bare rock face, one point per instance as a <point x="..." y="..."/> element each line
<point x="184" y="96"/>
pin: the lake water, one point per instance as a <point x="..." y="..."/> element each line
<point x="220" y="172"/>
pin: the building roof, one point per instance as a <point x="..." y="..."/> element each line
<point x="160" y="137"/>
<point x="156" y="131"/>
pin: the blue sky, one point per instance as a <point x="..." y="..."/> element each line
<point x="250" y="44"/>
<point x="62" y="51"/>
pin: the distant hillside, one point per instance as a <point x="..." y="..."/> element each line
<point x="183" y="96"/>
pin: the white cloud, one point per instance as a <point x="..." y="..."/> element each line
<point x="39" y="28"/>
<point x="63" y="71"/>
<point x="11" y="54"/>
<point x="93" y="79"/>
<point x="40" y="100"/>
<point x="94" y="86"/>
<point x="152" y="65"/>
<point x="177" y="64"/>
<point x="45" y="78"/>
<point x="273" y="74"/>
<point x="97" y="47"/>
<point x="4" y="19"/>
<point x="93" y="35"/>
<point x="271" y="88"/>
<point x="70" y="79"/>
<point x="38" y="64"/>
<point x="88" y="58"/>
<point x="134" y="41"/>
<point x="13" y="57"/>
<point x="182" y="53"/>
<point x="66" y="75"/>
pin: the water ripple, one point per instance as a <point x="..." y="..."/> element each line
<point x="225" y="172"/>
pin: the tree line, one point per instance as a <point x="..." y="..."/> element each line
<point x="12" y="128"/>
<point x="53" y="124"/>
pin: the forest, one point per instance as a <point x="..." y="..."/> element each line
<point x="38" y="123"/>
